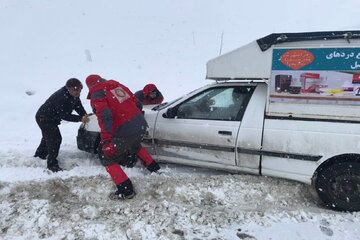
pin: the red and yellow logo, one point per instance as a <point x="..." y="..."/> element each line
<point x="297" y="59"/>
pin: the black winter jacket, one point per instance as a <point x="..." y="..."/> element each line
<point x="59" y="106"/>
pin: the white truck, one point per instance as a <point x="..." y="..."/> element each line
<point x="287" y="105"/>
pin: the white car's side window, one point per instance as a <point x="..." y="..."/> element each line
<point x="225" y="103"/>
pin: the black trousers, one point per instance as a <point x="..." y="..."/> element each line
<point x="129" y="145"/>
<point x="50" y="141"/>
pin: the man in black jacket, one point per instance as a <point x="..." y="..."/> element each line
<point x="59" y="106"/>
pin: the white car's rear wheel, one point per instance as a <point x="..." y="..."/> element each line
<point x="338" y="186"/>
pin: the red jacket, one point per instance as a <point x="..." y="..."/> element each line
<point x="143" y="95"/>
<point x="116" y="109"/>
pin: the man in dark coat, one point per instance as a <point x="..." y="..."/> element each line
<point x="149" y="95"/>
<point x="122" y="127"/>
<point x="59" y="106"/>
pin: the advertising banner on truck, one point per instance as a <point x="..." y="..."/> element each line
<point x="316" y="76"/>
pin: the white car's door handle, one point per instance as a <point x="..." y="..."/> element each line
<point x="225" y="133"/>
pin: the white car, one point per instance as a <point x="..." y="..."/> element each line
<point x="221" y="126"/>
<point x="286" y="105"/>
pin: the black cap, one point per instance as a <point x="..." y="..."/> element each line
<point x="73" y="83"/>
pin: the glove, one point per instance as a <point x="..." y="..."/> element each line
<point x="108" y="149"/>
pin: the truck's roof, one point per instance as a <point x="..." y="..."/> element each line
<point x="253" y="61"/>
<point x="276" y="38"/>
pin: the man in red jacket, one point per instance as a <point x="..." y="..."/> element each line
<point x="122" y="127"/>
<point x="149" y="95"/>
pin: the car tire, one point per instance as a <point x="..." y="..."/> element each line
<point x="338" y="186"/>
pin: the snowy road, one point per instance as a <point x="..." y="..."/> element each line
<point x="180" y="203"/>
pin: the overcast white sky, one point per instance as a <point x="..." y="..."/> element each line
<point x="135" y="42"/>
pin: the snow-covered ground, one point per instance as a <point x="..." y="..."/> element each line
<point x="180" y="203"/>
<point x="43" y="43"/>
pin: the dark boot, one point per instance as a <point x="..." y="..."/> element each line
<point x="41" y="155"/>
<point x="125" y="191"/>
<point x="41" y="151"/>
<point x="53" y="166"/>
<point x="153" y="167"/>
